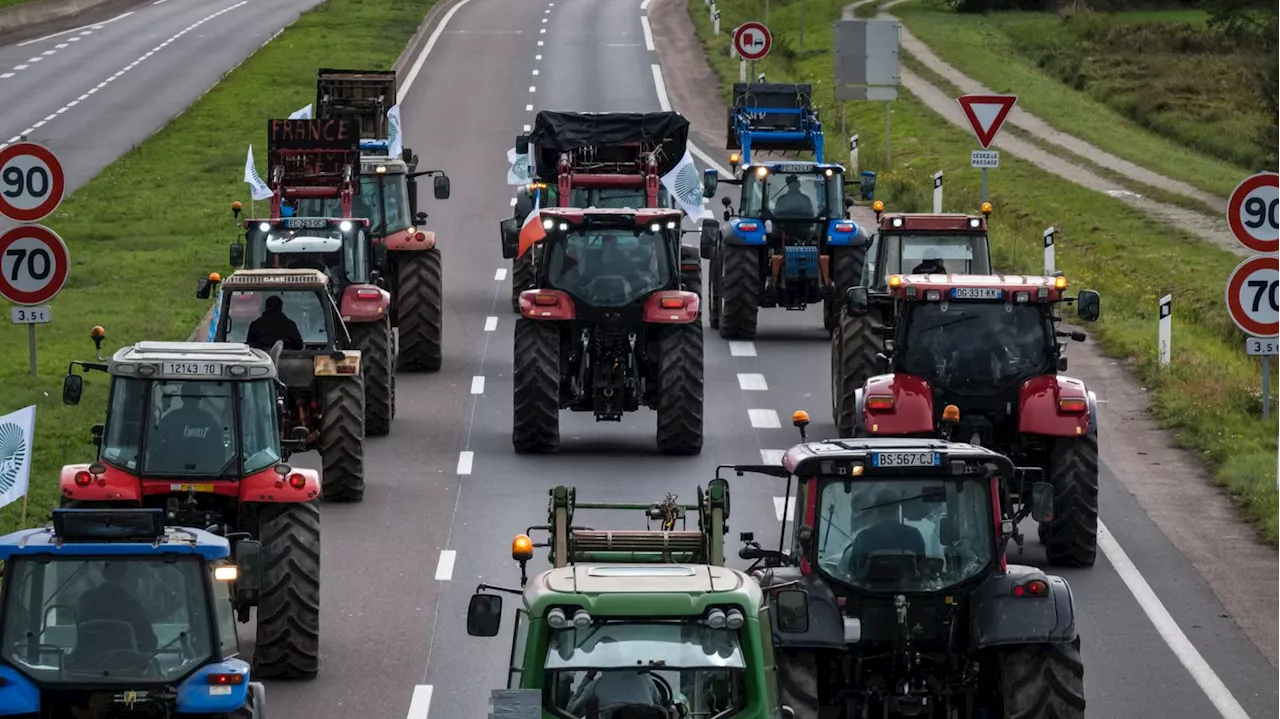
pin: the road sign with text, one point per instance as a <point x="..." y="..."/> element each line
<point x="986" y="114"/>
<point x="1252" y="298"/>
<point x="33" y="264"/>
<point x="31" y="182"/>
<point x="1252" y="212"/>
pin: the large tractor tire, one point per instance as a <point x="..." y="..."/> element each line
<point x="680" y="390"/>
<point x="798" y="683"/>
<point x="535" y="427"/>
<point x="853" y="360"/>
<point x="255" y="703"/>
<point x="1042" y="681"/>
<point x="713" y="296"/>
<point x="1071" y="538"/>
<point x="739" y="294"/>
<point x="342" y="440"/>
<point x="289" y="602"/>
<point x="420" y="310"/>
<point x="691" y="275"/>
<point x="377" y="364"/>
<point x="846" y="271"/>
<point x="521" y="278"/>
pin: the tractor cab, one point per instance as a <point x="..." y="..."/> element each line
<point x="302" y="295"/>
<point x="337" y="247"/>
<point x="917" y="243"/>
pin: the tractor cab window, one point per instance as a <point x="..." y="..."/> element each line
<point x="304" y="308"/>
<point x="224" y="616"/>
<point x="615" y="197"/>
<point x="261" y="429"/>
<point x="123" y="436"/>
<point x="384" y="199"/>
<point x="312" y="248"/>
<point x="905" y="534"/>
<point x="609" y="267"/>
<point x="953" y="254"/>
<point x="645" y="670"/>
<point x="976" y="346"/>
<point x="114" y="620"/>
<point x="191" y="429"/>
<point x="791" y="196"/>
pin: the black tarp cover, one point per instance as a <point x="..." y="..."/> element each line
<point x="557" y="132"/>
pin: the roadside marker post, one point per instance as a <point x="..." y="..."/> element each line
<point x="715" y="19"/>
<point x="853" y="156"/>
<point x="1166" y="331"/>
<point x="1252" y="287"/>
<point x="937" y="192"/>
<point x="1048" y="251"/>
<point x="986" y="114"/>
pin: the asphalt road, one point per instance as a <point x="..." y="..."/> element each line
<point x="446" y="493"/>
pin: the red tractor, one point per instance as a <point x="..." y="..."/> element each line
<point x="977" y="359"/>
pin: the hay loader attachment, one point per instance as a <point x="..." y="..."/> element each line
<point x="773" y="116"/>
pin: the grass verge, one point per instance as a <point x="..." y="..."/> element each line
<point x="157" y="219"/>
<point x="1210" y="395"/>
<point x="1130" y="83"/>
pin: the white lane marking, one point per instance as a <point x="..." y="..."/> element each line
<point x="490" y="324"/>
<point x="648" y="33"/>
<point x="772" y="456"/>
<point x="537" y="58"/>
<point x="527" y="108"/>
<point x="465" y="459"/>
<point x="74" y="29"/>
<point x="535" y="72"/>
<point x="403" y="93"/>
<point x="742" y="349"/>
<point x="48" y="52"/>
<point x="86" y="32"/>
<point x="644" y="6"/>
<point x="513" y="202"/>
<point x="62" y="46"/>
<point x="528" y="128"/>
<point x="544" y="19"/>
<point x="663" y="101"/>
<point x="21" y="67"/>
<point x="782" y="506"/>
<point x="6" y="75"/>
<point x="421" y="702"/>
<point x="543" y="31"/>
<point x="477" y="385"/>
<point x="1168" y="628"/>
<point x="500" y="274"/>
<point x="539" y="43"/>
<point x="444" y="568"/>
<point x="533" y="88"/>
<point x="764" y="418"/>
<point x="74" y="39"/>
<point x="752" y="382"/>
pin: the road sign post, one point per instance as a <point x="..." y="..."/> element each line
<point x="1048" y="251"/>
<point x="1264" y="348"/>
<point x="937" y="192"/>
<point x="986" y="114"/>
<point x="1253" y="214"/>
<point x="1165" y="348"/>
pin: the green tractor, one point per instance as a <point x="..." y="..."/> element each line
<point x="652" y="615"/>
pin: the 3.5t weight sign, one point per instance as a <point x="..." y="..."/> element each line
<point x="1253" y="212"/>
<point x="33" y="264"/>
<point x="31" y="182"/>
<point x="1253" y="296"/>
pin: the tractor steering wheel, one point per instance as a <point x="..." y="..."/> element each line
<point x="613" y="286"/>
<point x="131" y="659"/>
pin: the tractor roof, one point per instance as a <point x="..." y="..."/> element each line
<point x="841" y="458"/>
<point x="112" y="532"/>
<point x="641" y="214"/>
<point x="978" y="287"/>
<point x="929" y="222"/>
<point x="277" y="279"/>
<point x="649" y="589"/>
<point x="192" y="360"/>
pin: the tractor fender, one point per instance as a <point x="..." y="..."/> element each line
<point x="364" y="303"/>
<point x="845" y="233"/>
<point x="403" y="241"/>
<point x="1039" y="412"/>
<point x="113" y="485"/>
<point x="746" y="232"/>
<point x="912" y="411"/>
<point x="1001" y="618"/>
<point x="709" y="238"/>
<point x="268" y="486"/>
<point x="194" y="696"/>
<point x="20" y="696"/>
<point x="826" y="625"/>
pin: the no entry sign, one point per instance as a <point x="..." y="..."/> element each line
<point x="752" y="40"/>
<point x="31" y="182"/>
<point x="33" y="264"/>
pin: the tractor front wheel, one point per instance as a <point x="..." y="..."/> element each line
<point x="342" y="440"/>
<point x="680" y="390"/>
<point x="798" y="683"/>
<point x="846" y="271"/>
<point x="420" y="310"/>
<point x="377" y="364"/>
<point x="289" y="602"/>
<point x="853" y="359"/>
<point x="535" y="424"/>
<point x="1071" y="537"/>
<point x="739" y="291"/>
<point x="1042" y="681"/>
<point x="713" y="299"/>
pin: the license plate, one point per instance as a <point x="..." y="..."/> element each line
<point x="976" y="293"/>
<point x="193" y="369"/>
<point x="191" y="487"/>
<point x="307" y="222"/>
<point x="793" y="168"/>
<point x="906" y="459"/>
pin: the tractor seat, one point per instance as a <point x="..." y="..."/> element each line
<point x="96" y="636"/>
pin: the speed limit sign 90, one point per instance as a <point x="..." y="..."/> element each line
<point x="31" y="182"/>
<point x="33" y="264"/>
<point x="1252" y="299"/>
<point x="1253" y="212"/>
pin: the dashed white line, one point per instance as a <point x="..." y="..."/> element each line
<point x="663" y="101"/>
<point x="543" y="31"/>
<point x="537" y="58"/>
<point x="535" y="72"/>
<point x="421" y="702"/>
<point x="74" y="39"/>
<point x="528" y="128"/>
<point x="490" y="324"/>
<point x="513" y="202"/>
<point x="48" y="52"/>
<point x="772" y="456"/>
<point x="544" y="19"/>
<point x="752" y="382"/>
<point x="742" y="349"/>
<point x="644" y="6"/>
<point x="444" y="568"/>
<point x="21" y="67"/>
<point x="527" y="108"/>
<point x="500" y="274"/>
<point x="74" y="29"/>
<point x="533" y="88"/>
<point x="465" y="458"/>
<point x="540" y="42"/>
<point x="6" y="75"/>
<point x="764" y="418"/>
<point x="62" y="46"/>
<point x="477" y="385"/>
<point x="648" y="32"/>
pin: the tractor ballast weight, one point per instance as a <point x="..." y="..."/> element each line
<point x="773" y="117"/>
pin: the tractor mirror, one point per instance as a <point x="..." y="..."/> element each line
<point x="848" y="201"/>
<point x="855" y="302"/>
<point x="510" y="237"/>
<point x="248" y="565"/>
<point x="948" y="532"/>
<point x="440" y="186"/>
<point x="710" y="181"/>
<point x="95" y="434"/>
<point x="1062" y="364"/>
<point x="407" y="155"/>
<point x="484" y="615"/>
<point x="235" y="254"/>
<point x="378" y="253"/>
<point x="1088" y="305"/>
<point x="420" y="218"/>
<point x="726" y="202"/>
<point x="203" y="288"/>
<point x="72" y="388"/>
<point x="881" y="362"/>
<point x="522" y="144"/>
<point x="1042" y="502"/>
<point x="793" y="611"/>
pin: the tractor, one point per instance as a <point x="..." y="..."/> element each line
<point x="596" y="159"/>
<point x="410" y="265"/>
<point x="72" y="647"/>
<point x="607" y="328"/>
<point x="614" y="599"/>
<point x="791" y="242"/>
<point x="192" y="429"/>
<point x="978" y="358"/>
<point x="893" y="596"/>
<point x="904" y="242"/>
<point x="321" y="387"/>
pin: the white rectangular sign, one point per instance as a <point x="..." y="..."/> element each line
<point x="1257" y="346"/>
<point x="985" y="159"/>
<point x="31" y="315"/>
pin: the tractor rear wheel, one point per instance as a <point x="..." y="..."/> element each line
<point x="798" y="683"/>
<point x="377" y="364"/>
<point x="846" y="272"/>
<point x="1042" y="681"/>
<point x="289" y="601"/>
<point x="535" y="426"/>
<point x="1071" y="538"/>
<point x="680" y="390"/>
<point x="342" y="440"/>
<point x="521" y="278"/>
<point x="854" y="349"/>
<point x="739" y="291"/>
<point x="255" y="703"/>
<point x="713" y="299"/>
<point x="420" y="310"/>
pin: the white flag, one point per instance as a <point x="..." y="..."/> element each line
<point x="16" y="431"/>
<point x="303" y="114"/>
<point x="519" y="172"/>
<point x="685" y="186"/>
<point x="258" y="188"/>
<point x="395" y="136"/>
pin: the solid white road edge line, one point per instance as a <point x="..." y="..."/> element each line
<point x="764" y="418"/>
<point x="477" y="385"/>
<point x="490" y="324"/>
<point x="751" y="382"/>
<point x="421" y="702"/>
<point x="648" y="33"/>
<point x="444" y="568"/>
<point x="500" y="274"/>
<point x="644" y="6"/>
<point x="661" y="86"/>
<point x="465" y="459"/>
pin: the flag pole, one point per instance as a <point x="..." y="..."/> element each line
<point x="23" y="521"/>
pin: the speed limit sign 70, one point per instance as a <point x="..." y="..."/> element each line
<point x="1252" y="297"/>
<point x="33" y="264"/>
<point x="1253" y="212"/>
<point x="31" y="182"/>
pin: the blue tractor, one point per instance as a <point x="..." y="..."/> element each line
<point x="791" y="242"/>
<point x="108" y="613"/>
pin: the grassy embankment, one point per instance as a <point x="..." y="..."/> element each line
<point x="156" y="220"/>
<point x="1158" y="88"/>
<point x="1210" y="395"/>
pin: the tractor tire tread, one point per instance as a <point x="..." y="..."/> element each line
<point x="798" y="684"/>
<point x="1042" y="681"/>
<point x="846" y="271"/>
<point x="680" y="393"/>
<point x="535" y="427"/>
<point x="288" y="633"/>
<point x="342" y="440"/>
<point x="521" y="278"/>
<point x="420" y="310"/>
<point x="739" y="291"/>
<point x="374" y="341"/>
<point x="1071" y="538"/>
<point x="855" y="344"/>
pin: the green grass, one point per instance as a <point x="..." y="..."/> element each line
<point x="156" y="220"/>
<point x="11" y="3"/>
<point x="1209" y="396"/>
<point x="1134" y="84"/>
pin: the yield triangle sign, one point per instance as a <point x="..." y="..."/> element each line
<point x="986" y="114"/>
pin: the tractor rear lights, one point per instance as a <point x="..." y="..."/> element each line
<point x="1072" y="405"/>
<point x="1042" y="294"/>
<point x="1033" y="588"/>
<point x="297" y="481"/>
<point x="844" y="227"/>
<point x="367" y="293"/>
<point x="522" y="548"/>
<point x="749" y="226"/>
<point x="227" y="573"/>
<point x="329" y="365"/>
<point x="912" y="292"/>
<point x="881" y="403"/>
<point x="226" y="679"/>
<point x="83" y="479"/>
<point x="546" y="300"/>
<point x="672" y="302"/>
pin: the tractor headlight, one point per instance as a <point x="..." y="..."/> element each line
<point x="227" y="573"/>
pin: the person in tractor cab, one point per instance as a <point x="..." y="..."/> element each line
<point x="110" y="605"/>
<point x="930" y="267"/>
<point x="793" y="203"/>
<point x="616" y="692"/>
<point x="274" y="326"/>
<point x="886" y="532"/>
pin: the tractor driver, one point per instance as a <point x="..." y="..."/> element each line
<point x="930" y="266"/>
<point x="274" y="326"/>
<point x="793" y="203"/>
<point x="110" y="601"/>
<point x="614" y="690"/>
<point x="885" y="531"/>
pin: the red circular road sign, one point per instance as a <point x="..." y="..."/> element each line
<point x="31" y="182"/>
<point x="1252" y="299"/>
<point x="33" y="264"/>
<point x="752" y="40"/>
<point x="1252" y="212"/>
